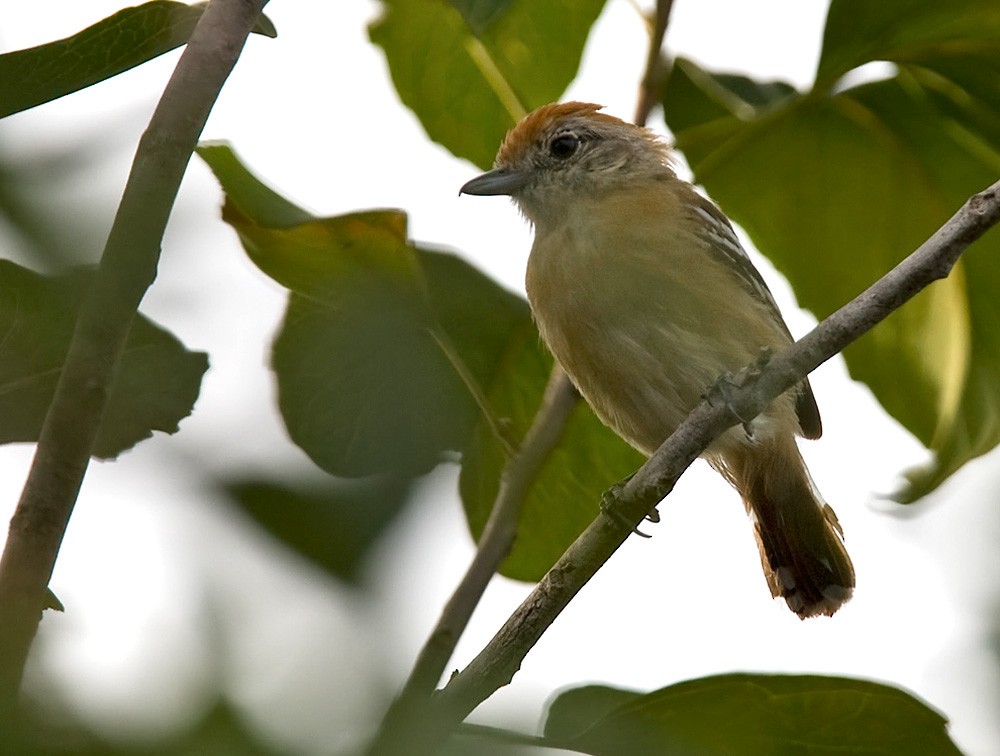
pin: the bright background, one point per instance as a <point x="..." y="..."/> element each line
<point x="171" y="594"/>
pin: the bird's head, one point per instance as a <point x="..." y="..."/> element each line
<point x="563" y="152"/>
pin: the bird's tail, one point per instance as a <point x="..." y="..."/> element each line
<point x="801" y="541"/>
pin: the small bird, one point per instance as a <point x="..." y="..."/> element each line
<point x="644" y="295"/>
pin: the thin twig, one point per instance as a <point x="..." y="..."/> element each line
<point x="408" y="710"/>
<point x="497" y="663"/>
<point x="128" y="267"/>
<point x="651" y="85"/>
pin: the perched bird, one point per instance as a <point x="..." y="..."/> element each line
<point x="643" y="294"/>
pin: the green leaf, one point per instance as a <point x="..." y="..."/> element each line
<point x="469" y="70"/>
<point x="363" y="389"/>
<point x="769" y="715"/>
<point x="122" y="41"/>
<point x="221" y="730"/>
<point x="874" y="169"/>
<point x="479" y="14"/>
<point x="362" y="384"/>
<point x="332" y="524"/>
<point x="157" y="382"/>
<point x="246" y="192"/>
<point x="574" y="710"/>
<point x="479" y="317"/>
<point x="906" y="31"/>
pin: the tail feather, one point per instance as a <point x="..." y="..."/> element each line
<point x="800" y="540"/>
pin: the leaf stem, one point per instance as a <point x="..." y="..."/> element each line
<point x="128" y="267"/>
<point x="495" y="78"/>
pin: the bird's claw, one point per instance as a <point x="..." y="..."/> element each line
<point x="723" y="387"/>
<point x="609" y="508"/>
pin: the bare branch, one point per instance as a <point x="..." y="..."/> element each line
<point x="128" y="267"/>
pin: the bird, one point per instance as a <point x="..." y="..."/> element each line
<point x="645" y="297"/>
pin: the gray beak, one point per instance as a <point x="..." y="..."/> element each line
<point x="499" y="181"/>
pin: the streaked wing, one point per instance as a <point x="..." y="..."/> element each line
<point x="720" y="239"/>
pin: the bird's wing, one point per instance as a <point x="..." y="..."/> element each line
<point x="721" y="239"/>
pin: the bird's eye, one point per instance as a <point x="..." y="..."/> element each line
<point x="564" y="145"/>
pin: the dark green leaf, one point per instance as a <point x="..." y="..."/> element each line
<point x="157" y="382"/>
<point x="247" y="193"/>
<point x="122" y="41"/>
<point x="574" y="710"/>
<point x="479" y="14"/>
<point x="331" y="524"/>
<point x="469" y="75"/>
<point x="873" y="170"/>
<point x="363" y="387"/>
<point x="221" y="730"/>
<point x="905" y="31"/>
<point x="700" y="99"/>
<point x="479" y="317"/>
<point x="769" y="715"/>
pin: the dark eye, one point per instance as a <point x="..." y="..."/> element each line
<point x="564" y="145"/>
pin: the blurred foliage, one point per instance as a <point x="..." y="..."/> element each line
<point x="156" y="385"/>
<point x="837" y="184"/>
<point x="331" y="523"/>
<point x="479" y="14"/>
<point x="42" y="227"/>
<point x="111" y="46"/>
<point x="752" y="715"/>
<point x="221" y="732"/>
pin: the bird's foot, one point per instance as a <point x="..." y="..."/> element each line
<point x="609" y="507"/>
<point x="727" y="382"/>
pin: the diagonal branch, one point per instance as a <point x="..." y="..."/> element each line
<point x="128" y="267"/>
<point x="497" y="663"/>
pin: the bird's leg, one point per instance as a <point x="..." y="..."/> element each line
<point x="609" y="506"/>
<point x="728" y="381"/>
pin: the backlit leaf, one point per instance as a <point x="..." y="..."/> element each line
<point x="119" y="42"/>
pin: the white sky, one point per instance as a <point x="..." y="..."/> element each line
<point x="168" y="593"/>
